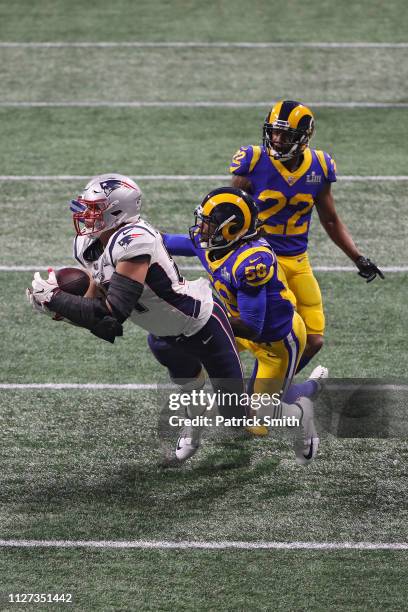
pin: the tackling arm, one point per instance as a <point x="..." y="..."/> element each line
<point x="341" y="236"/>
<point x="178" y="244"/>
<point x="252" y="309"/>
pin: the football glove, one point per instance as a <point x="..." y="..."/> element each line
<point x="43" y="289"/>
<point x="41" y="293"/>
<point x="368" y="269"/>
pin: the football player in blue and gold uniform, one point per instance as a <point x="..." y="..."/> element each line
<point x="287" y="179"/>
<point x="244" y="272"/>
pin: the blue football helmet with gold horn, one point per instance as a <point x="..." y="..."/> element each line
<point x="226" y="216"/>
<point x="287" y="129"/>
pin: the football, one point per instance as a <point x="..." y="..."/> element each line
<point x="72" y="280"/>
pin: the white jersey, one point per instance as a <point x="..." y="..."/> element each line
<point x="169" y="304"/>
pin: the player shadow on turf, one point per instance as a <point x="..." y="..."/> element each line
<point x="141" y="487"/>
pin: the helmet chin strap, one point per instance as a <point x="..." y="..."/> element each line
<point x="285" y="156"/>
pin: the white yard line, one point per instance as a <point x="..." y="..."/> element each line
<point x="157" y="386"/>
<point x="205" y="45"/>
<point x="359" y="178"/>
<point x="88" y="386"/>
<point x="209" y="545"/>
<point x="41" y="268"/>
<point x="190" y="177"/>
<point x="183" y="104"/>
<point x="144" y="177"/>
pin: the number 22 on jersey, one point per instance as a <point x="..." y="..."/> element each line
<point x="291" y="226"/>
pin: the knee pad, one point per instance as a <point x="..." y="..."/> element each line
<point x="314" y="320"/>
<point x="160" y="349"/>
<point x="182" y="366"/>
<point x="309" y="302"/>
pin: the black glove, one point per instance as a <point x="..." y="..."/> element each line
<point x="368" y="269"/>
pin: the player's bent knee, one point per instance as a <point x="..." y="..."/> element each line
<point x="313" y="319"/>
<point x="314" y="343"/>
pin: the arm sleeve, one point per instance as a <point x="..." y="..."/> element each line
<point x="252" y="309"/>
<point x="331" y="169"/>
<point x="90" y="313"/>
<point x="179" y="244"/>
<point x="241" y="161"/>
<point x="123" y="295"/>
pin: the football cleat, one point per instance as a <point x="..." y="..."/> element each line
<point x="306" y="439"/>
<point x="319" y="375"/>
<point x="189" y="439"/>
<point x="306" y="442"/>
<point x="188" y="442"/>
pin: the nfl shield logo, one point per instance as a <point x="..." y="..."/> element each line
<point x="290" y="180"/>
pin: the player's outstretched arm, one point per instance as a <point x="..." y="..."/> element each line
<point x="179" y="244"/>
<point x="341" y="236"/>
<point x="252" y="309"/>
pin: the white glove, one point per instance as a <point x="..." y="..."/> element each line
<point x="43" y="289"/>
<point x="41" y="294"/>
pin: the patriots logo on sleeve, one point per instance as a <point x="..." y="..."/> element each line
<point x="126" y="240"/>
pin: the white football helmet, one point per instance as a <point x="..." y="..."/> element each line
<point x="107" y="201"/>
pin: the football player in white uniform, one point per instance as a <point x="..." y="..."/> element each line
<point x="139" y="280"/>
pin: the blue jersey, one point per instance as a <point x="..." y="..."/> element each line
<point x="247" y="281"/>
<point x="284" y="199"/>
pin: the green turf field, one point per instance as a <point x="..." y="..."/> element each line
<point x="146" y="75"/>
<point x="44" y="141"/>
<point x="189" y="20"/>
<point x="82" y="464"/>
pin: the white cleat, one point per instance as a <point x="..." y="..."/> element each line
<point x="306" y="439"/>
<point x="319" y="375"/>
<point x="188" y="442"/>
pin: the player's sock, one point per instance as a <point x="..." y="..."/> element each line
<point x="304" y="360"/>
<point x="190" y="436"/>
<point x="305" y="389"/>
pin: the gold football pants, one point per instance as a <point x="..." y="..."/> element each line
<point x="298" y="276"/>
<point x="276" y="362"/>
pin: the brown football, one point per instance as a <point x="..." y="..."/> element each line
<point x="72" y="280"/>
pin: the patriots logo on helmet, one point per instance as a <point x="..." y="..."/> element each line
<point x="110" y="185"/>
<point x="107" y="202"/>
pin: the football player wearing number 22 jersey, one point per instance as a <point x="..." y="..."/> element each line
<point x="287" y="178"/>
